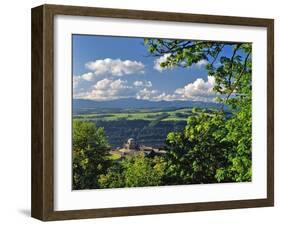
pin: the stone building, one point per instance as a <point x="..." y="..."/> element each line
<point x="131" y="144"/>
<point x="131" y="148"/>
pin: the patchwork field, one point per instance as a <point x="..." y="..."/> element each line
<point x="141" y="114"/>
<point x="148" y="126"/>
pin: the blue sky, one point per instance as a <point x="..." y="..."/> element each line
<point x="107" y="68"/>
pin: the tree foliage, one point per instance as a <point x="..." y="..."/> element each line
<point x="90" y="152"/>
<point x="212" y="148"/>
<point x="134" y="171"/>
<point x="196" y="153"/>
<point x="142" y="171"/>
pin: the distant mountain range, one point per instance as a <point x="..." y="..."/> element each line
<point x="82" y="105"/>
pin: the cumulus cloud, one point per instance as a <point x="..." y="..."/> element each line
<point x="157" y="63"/>
<point x="105" y="69"/>
<point x="201" y="63"/>
<point x="143" y="84"/>
<point x="115" y="67"/>
<point x="110" y="84"/>
<point x="90" y="76"/>
<point x="147" y="94"/>
<point x="166" y="97"/>
<point x="113" y="88"/>
<point x="199" y="90"/>
<point x="82" y="82"/>
<point x="155" y="95"/>
<point x="108" y="89"/>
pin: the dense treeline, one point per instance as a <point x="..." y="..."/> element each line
<point x="146" y="133"/>
<point x="92" y="167"/>
<point x="211" y="148"/>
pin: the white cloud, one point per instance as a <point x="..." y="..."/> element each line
<point x="147" y="94"/>
<point x="157" y="63"/>
<point x="90" y="76"/>
<point x="115" y="67"/>
<point x="82" y="82"/>
<point x="155" y="95"/>
<point x="167" y="97"/>
<point x="162" y="59"/>
<point x="143" y="84"/>
<point x="108" y="89"/>
<point x="110" y="84"/>
<point x="199" y="90"/>
<point x="105" y="68"/>
<point x="201" y="63"/>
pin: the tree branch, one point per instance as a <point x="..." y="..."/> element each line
<point x="239" y="77"/>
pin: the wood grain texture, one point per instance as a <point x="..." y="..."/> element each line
<point x="270" y="111"/>
<point x="37" y="160"/>
<point x="43" y="106"/>
<point x="42" y="113"/>
<point x="157" y="209"/>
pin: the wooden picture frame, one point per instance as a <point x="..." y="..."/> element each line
<point x="42" y="203"/>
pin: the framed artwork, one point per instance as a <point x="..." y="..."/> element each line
<point x="141" y="112"/>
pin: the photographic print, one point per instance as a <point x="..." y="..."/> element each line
<point x="141" y="112"/>
<point x="158" y="112"/>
